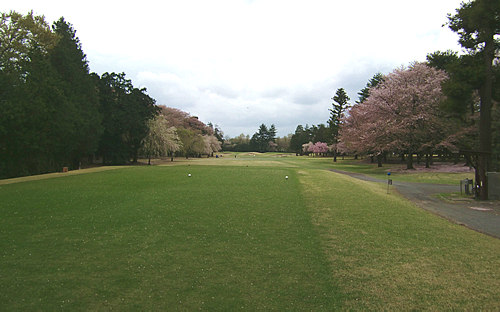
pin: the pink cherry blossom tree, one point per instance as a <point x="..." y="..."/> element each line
<point x="317" y="148"/>
<point x="401" y="115"/>
<point x="320" y="148"/>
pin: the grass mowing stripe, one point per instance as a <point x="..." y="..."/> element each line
<point x="388" y="254"/>
<point x="153" y="238"/>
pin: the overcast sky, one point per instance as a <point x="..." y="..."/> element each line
<point x="241" y="63"/>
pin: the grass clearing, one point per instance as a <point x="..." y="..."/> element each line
<point x="232" y="237"/>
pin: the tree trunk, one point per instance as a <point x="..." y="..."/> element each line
<point x="149" y="161"/>
<point x="481" y="177"/>
<point x="428" y="158"/>
<point x="335" y="155"/>
<point x="135" y="156"/>
<point x="409" y="162"/>
<point x="379" y="160"/>
<point x="355" y="156"/>
<point x="477" y="181"/>
<point x="485" y="119"/>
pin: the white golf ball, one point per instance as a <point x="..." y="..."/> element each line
<point x="286" y="177"/>
<point x="189" y="174"/>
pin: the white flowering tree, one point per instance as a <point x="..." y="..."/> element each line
<point x="161" y="139"/>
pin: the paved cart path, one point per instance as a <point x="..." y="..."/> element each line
<point x="481" y="216"/>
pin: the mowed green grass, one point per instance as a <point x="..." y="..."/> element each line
<point x="388" y="254"/>
<point x="235" y="237"/>
<point x="152" y="238"/>
<point x="398" y="171"/>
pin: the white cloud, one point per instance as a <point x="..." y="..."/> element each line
<point x="241" y="63"/>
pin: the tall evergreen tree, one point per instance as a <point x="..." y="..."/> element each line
<point x="320" y="133"/>
<point x="465" y="78"/>
<point x="478" y="25"/>
<point x="339" y="106"/>
<point x="298" y="138"/>
<point x="261" y="140"/>
<point x="70" y="62"/>
<point x="372" y="83"/>
<point x="140" y="109"/>
<point x="112" y="91"/>
<point x="126" y="111"/>
<point x="272" y="133"/>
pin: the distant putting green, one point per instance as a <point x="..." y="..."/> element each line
<point x="234" y="235"/>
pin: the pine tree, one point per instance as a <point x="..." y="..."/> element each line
<point x="478" y="25"/>
<point x="372" y="83"/>
<point x="339" y="106"/>
<point x="79" y="88"/>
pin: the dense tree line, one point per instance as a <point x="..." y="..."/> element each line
<point x="56" y="113"/>
<point x="240" y="143"/>
<point x="264" y="140"/>
<point x="292" y="143"/>
<point x="306" y="134"/>
<point x="49" y="102"/>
